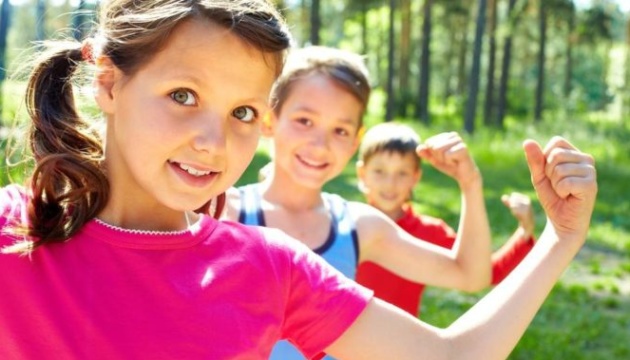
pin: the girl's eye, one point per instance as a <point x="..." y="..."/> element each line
<point x="304" y="121"/>
<point x="244" y="113"/>
<point x="342" y="132"/>
<point x="184" y="97"/>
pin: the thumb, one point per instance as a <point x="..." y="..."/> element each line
<point x="536" y="162"/>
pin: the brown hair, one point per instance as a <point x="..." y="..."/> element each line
<point x="69" y="185"/>
<point x="345" y="68"/>
<point x="389" y="137"/>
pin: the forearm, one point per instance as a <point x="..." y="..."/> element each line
<point x="473" y="246"/>
<point x="511" y="254"/>
<point x="491" y="329"/>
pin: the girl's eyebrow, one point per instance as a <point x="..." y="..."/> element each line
<point x="309" y="110"/>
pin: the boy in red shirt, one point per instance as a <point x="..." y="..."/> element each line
<point x="388" y="169"/>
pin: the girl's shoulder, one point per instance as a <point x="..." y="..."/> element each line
<point x="12" y="200"/>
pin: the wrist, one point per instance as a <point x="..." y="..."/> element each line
<point x="526" y="235"/>
<point x="471" y="182"/>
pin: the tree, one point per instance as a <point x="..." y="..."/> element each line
<point x="403" y="69"/>
<point x="471" y="104"/>
<point x="40" y="32"/>
<point x="542" y="43"/>
<point x="571" y="38"/>
<point x="489" y="98"/>
<point x="315" y="22"/>
<point x="389" y="106"/>
<point x="5" y="23"/>
<point x="422" y="107"/>
<point x="78" y="21"/>
<point x="513" y="15"/>
<point x="626" y="104"/>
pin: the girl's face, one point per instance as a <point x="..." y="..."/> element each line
<point x="387" y="180"/>
<point x="315" y="133"/>
<point x="184" y="127"/>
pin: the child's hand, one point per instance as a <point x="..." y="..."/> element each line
<point x="566" y="184"/>
<point x="448" y="153"/>
<point x="520" y="206"/>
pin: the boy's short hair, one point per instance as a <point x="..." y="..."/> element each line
<point x="389" y="137"/>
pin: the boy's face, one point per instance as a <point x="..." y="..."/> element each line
<point x="388" y="178"/>
<point x="315" y="133"/>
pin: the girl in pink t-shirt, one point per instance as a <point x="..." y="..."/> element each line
<point x="121" y="263"/>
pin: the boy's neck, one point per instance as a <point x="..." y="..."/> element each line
<point x="395" y="214"/>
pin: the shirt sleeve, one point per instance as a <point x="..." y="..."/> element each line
<point x="321" y="302"/>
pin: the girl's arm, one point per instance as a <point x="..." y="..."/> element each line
<point x="467" y="266"/>
<point x="565" y="181"/>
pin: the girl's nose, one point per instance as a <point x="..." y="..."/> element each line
<point x="211" y="134"/>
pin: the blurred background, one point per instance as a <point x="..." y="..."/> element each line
<point x="497" y="71"/>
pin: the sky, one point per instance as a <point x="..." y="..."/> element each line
<point x="623" y="4"/>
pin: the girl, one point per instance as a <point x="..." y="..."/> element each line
<point x="120" y="266"/>
<point x="319" y="101"/>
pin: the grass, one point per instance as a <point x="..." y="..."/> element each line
<point x="587" y="315"/>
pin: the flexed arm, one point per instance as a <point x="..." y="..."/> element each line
<point x="448" y="153"/>
<point x="565" y="181"/>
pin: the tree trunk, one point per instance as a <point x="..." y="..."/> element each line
<point x="488" y="108"/>
<point x="5" y="23"/>
<point x="422" y="107"/>
<point x="78" y="21"/>
<point x="462" y="78"/>
<point x="403" y="71"/>
<point x="315" y="22"/>
<point x="40" y="13"/>
<point x="364" y="28"/>
<point x="389" y="107"/>
<point x="626" y="109"/>
<point x="450" y="55"/>
<point x="471" y="104"/>
<point x="505" y="67"/>
<point x="540" y="83"/>
<point x="569" y="55"/>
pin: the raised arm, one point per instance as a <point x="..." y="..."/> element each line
<point x="467" y="266"/>
<point x="506" y="258"/>
<point x="565" y="181"/>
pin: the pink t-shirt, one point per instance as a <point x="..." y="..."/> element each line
<point x="218" y="290"/>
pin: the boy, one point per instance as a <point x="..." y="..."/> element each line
<point x="388" y="169"/>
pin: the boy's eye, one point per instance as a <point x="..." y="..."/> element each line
<point x="244" y="113"/>
<point x="184" y="97"/>
<point x="342" y="132"/>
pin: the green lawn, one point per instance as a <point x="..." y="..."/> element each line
<point x="588" y="314"/>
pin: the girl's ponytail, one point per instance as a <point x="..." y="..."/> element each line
<point x="68" y="185"/>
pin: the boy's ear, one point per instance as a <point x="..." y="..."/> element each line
<point x="105" y="79"/>
<point x="417" y="175"/>
<point x="268" y="120"/>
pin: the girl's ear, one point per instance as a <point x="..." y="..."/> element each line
<point x="359" y="137"/>
<point x="360" y="166"/>
<point x="105" y="79"/>
<point x="268" y="120"/>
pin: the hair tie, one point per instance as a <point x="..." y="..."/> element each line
<point x="87" y="51"/>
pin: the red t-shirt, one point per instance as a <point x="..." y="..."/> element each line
<point x="406" y="294"/>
